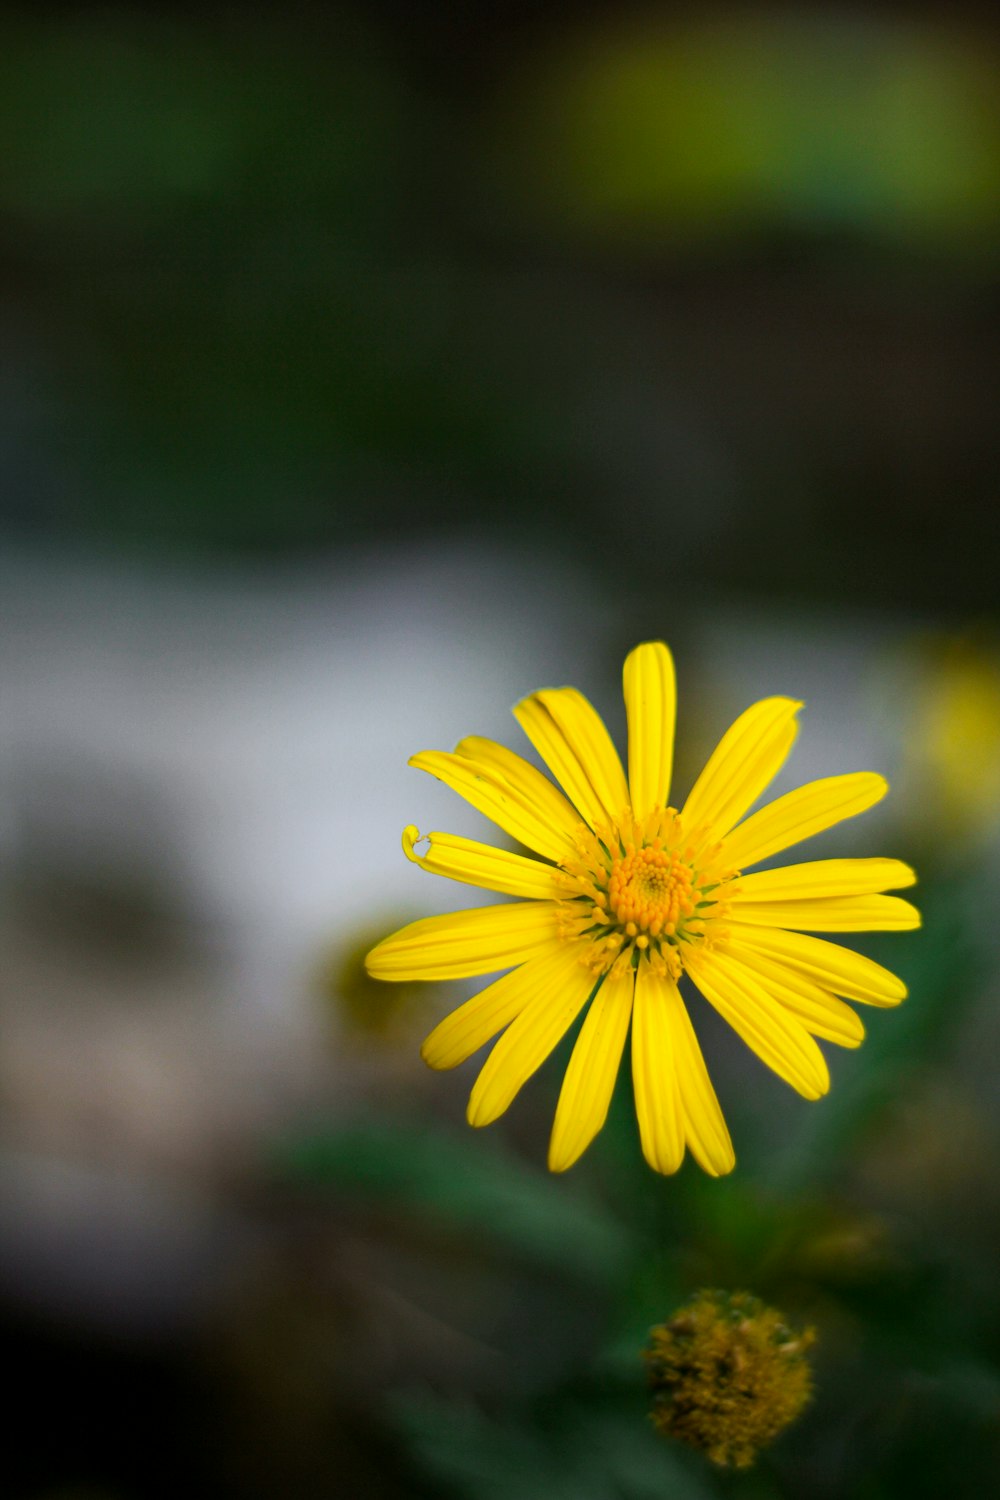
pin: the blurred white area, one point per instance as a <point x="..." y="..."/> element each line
<point x="244" y="743"/>
<point x="233" y="749"/>
<point x="203" y="783"/>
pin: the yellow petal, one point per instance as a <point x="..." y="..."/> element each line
<point x="831" y="914"/>
<point x="819" y="1011"/>
<point x="826" y="877"/>
<point x="651" y="706"/>
<point x="530" y="1038"/>
<point x="800" y="814"/>
<point x="570" y="736"/>
<point x="654" y="1074"/>
<point x="518" y="807"/>
<point x="702" y="1118"/>
<point x="479" y="1020"/>
<point x="590" y="1078"/>
<point x="778" y="1039"/>
<point x="480" y="864"/>
<point x="534" y="788"/>
<point x="746" y="760"/>
<point x="828" y="964"/>
<point x="462" y="943"/>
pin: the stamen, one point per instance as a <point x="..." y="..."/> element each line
<point x="660" y="891"/>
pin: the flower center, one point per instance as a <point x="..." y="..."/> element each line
<point x="652" y="890"/>
<point x="645" y="891"/>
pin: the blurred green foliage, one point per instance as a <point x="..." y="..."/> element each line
<point x="428" y="1173"/>
<point x="274" y="283"/>
<point x="741" y="125"/>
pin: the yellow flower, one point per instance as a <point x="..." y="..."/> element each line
<point x="628" y="895"/>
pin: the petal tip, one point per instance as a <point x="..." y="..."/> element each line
<point x="722" y="1167"/>
<point x="479" y="1111"/>
<point x="373" y="959"/>
<point x="656" y="648"/>
<point x="431" y="1055"/>
<point x="665" y="1166"/>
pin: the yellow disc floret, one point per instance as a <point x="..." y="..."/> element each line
<point x="651" y="890"/>
<point x="644" y="889"/>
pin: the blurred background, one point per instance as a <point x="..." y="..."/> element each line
<point x="363" y="368"/>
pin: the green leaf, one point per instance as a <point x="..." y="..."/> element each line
<point x="558" y="1449"/>
<point x="463" y="1184"/>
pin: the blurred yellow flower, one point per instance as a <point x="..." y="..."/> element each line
<point x="631" y="893"/>
<point x="368" y="1010"/>
<point x="954" y="743"/>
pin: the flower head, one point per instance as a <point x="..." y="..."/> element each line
<point x="727" y="1375"/>
<point x="629" y="894"/>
